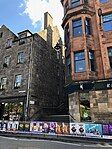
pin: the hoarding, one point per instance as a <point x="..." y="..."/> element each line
<point x="43" y="127"/>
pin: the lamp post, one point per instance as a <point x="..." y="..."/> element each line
<point x="57" y="49"/>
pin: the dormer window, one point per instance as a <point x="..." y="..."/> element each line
<point x="9" y="43"/>
<point x="22" y="38"/>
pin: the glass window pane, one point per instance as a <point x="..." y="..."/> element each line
<point x="7" y="60"/>
<point x="107" y="22"/>
<point x="21" y="57"/>
<point x="79" y="56"/>
<point x="107" y="26"/>
<point x="110" y="51"/>
<point x="75" y="3"/>
<point x="3" y="83"/>
<point x="77" y="31"/>
<point x="18" y="80"/>
<point x="77" y="23"/>
<point x="103" y="1"/>
<point x="88" y="26"/>
<point x="80" y="66"/>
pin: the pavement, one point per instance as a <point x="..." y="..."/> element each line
<point x="20" y="143"/>
<point x="62" y="138"/>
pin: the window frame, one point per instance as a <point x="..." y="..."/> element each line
<point x="20" y="58"/>
<point x="104" y="1"/>
<point x="9" y="43"/>
<point x="92" y="60"/>
<point x="75" y="3"/>
<point x="2" y="84"/>
<point x="7" y="60"/>
<point x="15" y="81"/>
<point x="75" y="27"/>
<point x="82" y="60"/>
<point x="110" y="57"/>
<point x="68" y="66"/>
<point x="88" y="26"/>
<point x="105" y="19"/>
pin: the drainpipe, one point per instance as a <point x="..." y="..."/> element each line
<point x="28" y="87"/>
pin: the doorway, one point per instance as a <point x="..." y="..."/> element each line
<point x="85" y="114"/>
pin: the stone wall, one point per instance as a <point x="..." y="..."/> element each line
<point x="101" y="105"/>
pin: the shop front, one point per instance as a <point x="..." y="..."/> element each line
<point x="91" y="101"/>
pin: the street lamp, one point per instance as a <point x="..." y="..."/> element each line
<point x="57" y="49"/>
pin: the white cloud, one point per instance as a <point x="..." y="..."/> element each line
<point x="35" y="9"/>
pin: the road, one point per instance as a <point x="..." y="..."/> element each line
<point x="15" y="143"/>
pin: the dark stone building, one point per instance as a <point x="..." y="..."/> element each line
<point x="29" y="76"/>
<point x="88" y="38"/>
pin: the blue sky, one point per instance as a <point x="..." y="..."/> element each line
<point x="19" y="15"/>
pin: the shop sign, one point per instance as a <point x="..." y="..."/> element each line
<point x="96" y="85"/>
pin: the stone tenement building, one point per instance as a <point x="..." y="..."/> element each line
<point x="88" y="38"/>
<point x="29" y="76"/>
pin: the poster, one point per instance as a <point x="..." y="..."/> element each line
<point x="36" y="127"/>
<point x="105" y="129"/>
<point x="73" y="128"/>
<point x="3" y="125"/>
<point x="52" y="127"/>
<point x="43" y="127"/>
<point x="81" y="129"/>
<point x="21" y="126"/>
<point x="26" y="126"/>
<point x="110" y="129"/>
<point x="77" y="129"/>
<point x="59" y="129"/>
<point x="65" y="128"/>
<point x="12" y="125"/>
<point x="93" y="130"/>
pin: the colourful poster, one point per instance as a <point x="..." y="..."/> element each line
<point x="45" y="127"/>
<point x="33" y="126"/>
<point x="93" y="130"/>
<point x="52" y="128"/>
<point x="105" y="129"/>
<point x="26" y="126"/>
<point x="59" y="129"/>
<point x="36" y="127"/>
<point x="110" y="129"/>
<point x="21" y="126"/>
<point x="65" y="128"/>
